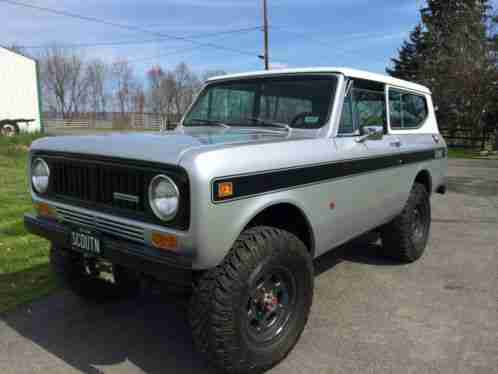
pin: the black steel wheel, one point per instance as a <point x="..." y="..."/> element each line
<point x="249" y="312"/>
<point x="271" y="304"/>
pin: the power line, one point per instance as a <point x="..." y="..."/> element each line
<point x="127" y="27"/>
<point x="167" y="54"/>
<point x="147" y="41"/>
<point x="332" y="42"/>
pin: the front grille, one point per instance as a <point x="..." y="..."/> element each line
<point x="113" y="186"/>
<point x="105" y="225"/>
<point x="97" y="183"/>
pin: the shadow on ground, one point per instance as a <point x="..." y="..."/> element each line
<point x="151" y="331"/>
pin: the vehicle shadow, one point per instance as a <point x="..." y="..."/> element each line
<point x="363" y="250"/>
<point x="151" y="331"/>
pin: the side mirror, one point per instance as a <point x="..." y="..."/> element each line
<point x="370" y="133"/>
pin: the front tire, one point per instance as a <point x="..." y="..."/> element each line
<point x="249" y="312"/>
<point x="405" y="238"/>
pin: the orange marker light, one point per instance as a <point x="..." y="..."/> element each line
<point x="225" y="190"/>
<point x="167" y="242"/>
<point x="45" y="210"/>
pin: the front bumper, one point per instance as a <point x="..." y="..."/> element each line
<point x="170" y="267"/>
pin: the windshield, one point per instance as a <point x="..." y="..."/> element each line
<point x="298" y="101"/>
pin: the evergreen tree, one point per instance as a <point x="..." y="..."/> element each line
<point x="410" y="61"/>
<point x="452" y="53"/>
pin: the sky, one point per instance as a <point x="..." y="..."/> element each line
<point x="362" y="34"/>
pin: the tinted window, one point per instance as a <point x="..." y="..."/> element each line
<point x="370" y="107"/>
<point x="347" y="124"/>
<point x="365" y="105"/>
<point x="406" y="110"/>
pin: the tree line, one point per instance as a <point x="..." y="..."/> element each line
<point x="74" y="86"/>
<point x="454" y="52"/>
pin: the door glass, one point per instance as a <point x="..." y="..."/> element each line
<point x="370" y="107"/>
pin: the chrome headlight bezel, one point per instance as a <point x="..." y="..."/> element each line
<point x="40" y="186"/>
<point x="164" y="216"/>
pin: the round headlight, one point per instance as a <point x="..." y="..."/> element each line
<point x="164" y="197"/>
<point x="40" y="175"/>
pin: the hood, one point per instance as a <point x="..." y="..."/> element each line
<point x="165" y="147"/>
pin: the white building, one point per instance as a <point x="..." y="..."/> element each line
<point x="20" y="99"/>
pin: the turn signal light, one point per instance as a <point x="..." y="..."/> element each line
<point x="166" y="242"/>
<point x="225" y="190"/>
<point x="45" y="210"/>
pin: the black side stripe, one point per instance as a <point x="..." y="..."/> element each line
<point x="256" y="184"/>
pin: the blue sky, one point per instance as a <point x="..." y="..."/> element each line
<point x="363" y="34"/>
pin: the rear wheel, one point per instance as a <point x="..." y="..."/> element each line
<point x="405" y="238"/>
<point x="89" y="278"/>
<point x="249" y="312"/>
<point x="9" y="130"/>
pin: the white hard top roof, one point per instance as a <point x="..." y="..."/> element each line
<point x="351" y="73"/>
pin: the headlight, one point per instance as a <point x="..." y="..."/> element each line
<point x="40" y="175"/>
<point x="164" y="197"/>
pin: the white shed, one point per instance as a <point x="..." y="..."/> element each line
<point x="20" y="101"/>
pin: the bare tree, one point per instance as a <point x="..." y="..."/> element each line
<point x="98" y="80"/>
<point x="64" y="80"/>
<point x="124" y="84"/>
<point x="162" y="92"/>
<point x="138" y="98"/>
<point x="187" y="85"/>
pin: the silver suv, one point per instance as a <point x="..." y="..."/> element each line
<point x="266" y="172"/>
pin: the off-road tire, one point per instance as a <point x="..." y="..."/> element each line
<point x="398" y="239"/>
<point x="69" y="270"/>
<point x="218" y="303"/>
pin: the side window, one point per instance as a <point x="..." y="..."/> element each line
<point x="365" y="105"/>
<point x="406" y="110"/>
<point x="347" y="124"/>
<point x="370" y="107"/>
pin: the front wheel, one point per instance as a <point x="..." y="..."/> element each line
<point x="405" y="238"/>
<point x="249" y="312"/>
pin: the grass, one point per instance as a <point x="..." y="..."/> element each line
<point x="24" y="270"/>
<point x="462" y="153"/>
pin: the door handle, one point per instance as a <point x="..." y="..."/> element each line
<point x="397" y="143"/>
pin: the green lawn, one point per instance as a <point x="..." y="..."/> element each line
<point x="24" y="270"/>
<point x="461" y="153"/>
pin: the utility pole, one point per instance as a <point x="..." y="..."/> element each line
<point x="265" y="29"/>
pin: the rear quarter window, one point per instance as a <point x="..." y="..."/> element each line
<point x="406" y="110"/>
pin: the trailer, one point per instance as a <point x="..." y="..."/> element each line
<point x="20" y="100"/>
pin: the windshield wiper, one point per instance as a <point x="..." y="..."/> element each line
<point x="209" y="122"/>
<point x="269" y="122"/>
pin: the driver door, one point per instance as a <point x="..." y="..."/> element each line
<point x="373" y="183"/>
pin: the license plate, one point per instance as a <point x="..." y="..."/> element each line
<point x="86" y="242"/>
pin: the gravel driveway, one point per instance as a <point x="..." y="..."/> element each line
<point x="439" y="315"/>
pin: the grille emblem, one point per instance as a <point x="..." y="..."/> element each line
<point x="125" y="197"/>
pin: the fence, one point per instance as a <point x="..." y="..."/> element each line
<point x="463" y="138"/>
<point x="110" y="122"/>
